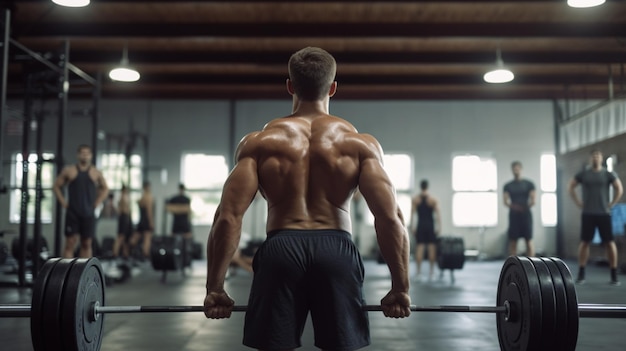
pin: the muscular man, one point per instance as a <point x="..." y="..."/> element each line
<point x="426" y="207"/>
<point x="519" y="197"/>
<point x="596" y="211"/>
<point x="307" y="165"/>
<point x="86" y="191"/>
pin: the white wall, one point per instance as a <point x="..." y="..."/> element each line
<point x="431" y="131"/>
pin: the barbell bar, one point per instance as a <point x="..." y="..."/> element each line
<point x="536" y="307"/>
<point x="586" y="310"/>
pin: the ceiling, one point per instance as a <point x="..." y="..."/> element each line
<point x="432" y="50"/>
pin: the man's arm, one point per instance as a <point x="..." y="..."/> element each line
<point x="618" y="191"/>
<point x="412" y="214"/>
<point x="59" y="183"/>
<point x="238" y="193"/>
<point x="437" y="214"/>
<point x="391" y="234"/>
<point x="506" y="198"/>
<point x="178" y="208"/>
<point x="531" y="198"/>
<point x="103" y="189"/>
<point x="573" y="183"/>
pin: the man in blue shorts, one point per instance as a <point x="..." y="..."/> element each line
<point x="307" y="165"/>
<point x="596" y="211"/>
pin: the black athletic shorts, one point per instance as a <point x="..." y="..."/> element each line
<point x="297" y="271"/>
<point x="425" y="235"/>
<point x="124" y="225"/>
<point x="520" y="225"/>
<point x="77" y="224"/>
<point x="589" y="224"/>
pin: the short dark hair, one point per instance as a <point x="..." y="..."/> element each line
<point x="146" y="183"/>
<point x="516" y="163"/>
<point x="593" y="151"/>
<point x="312" y="71"/>
<point x="83" y="146"/>
<point x="424" y="184"/>
<point x="181" y="186"/>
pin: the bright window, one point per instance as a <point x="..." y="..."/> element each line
<point x="204" y="176"/>
<point x="399" y="168"/>
<point x="548" y="188"/>
<point x="116" y="171"/>
<point x="47" y="180"/>
<point x="474" y="182"/>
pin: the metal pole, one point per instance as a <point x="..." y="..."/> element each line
<point x="236" y="308"/>
<point x="25" y="199"/>
<point x="3" y="87"/>
<point x="37" y="240"/>
<point x="62" y="97"/>
<point x="95" y="117"/>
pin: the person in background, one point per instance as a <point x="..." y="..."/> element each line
<point x="519" y="197"/>
<point x="145" y="227"/>
<point x="426" y="208"/>
<point x="595" y="181"/>
<point x="86" y="189"/>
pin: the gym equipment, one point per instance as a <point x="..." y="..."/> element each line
<point x="537" y="307"/>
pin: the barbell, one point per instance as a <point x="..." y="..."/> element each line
<point x="537" y="307"/>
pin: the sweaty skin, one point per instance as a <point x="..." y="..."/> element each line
<point x="307" y="166"/>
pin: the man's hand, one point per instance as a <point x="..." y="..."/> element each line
<point x="218" y="305"/>
<point x="396" y="305"/>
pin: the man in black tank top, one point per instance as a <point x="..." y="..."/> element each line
<point x="86" y="190"/>
<point x="426" y="208"/>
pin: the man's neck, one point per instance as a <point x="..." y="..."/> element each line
<point x="307" y="108"/>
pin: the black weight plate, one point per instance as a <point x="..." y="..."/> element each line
<point x="53" y="305"/>
<point x="84" y="287"/>
<point x="572" y="305"/>
<point x="519" y="285"/>
<point x="561" y="303"/>
<point x="36" y="305"/>
<point x="548" y="305"/>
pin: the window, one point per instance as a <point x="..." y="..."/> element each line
<point x="474" y="182"/>
<point x="548" y="190"/>
<point x="47" y="179"/>
<point x="204" y="176"/>
<point x="399" y="168"/>
<point x="116" y="171"/>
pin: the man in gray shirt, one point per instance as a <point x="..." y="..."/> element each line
<point x="595" y="181"/>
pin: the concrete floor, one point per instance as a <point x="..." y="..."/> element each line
<point x="476" y="284"/>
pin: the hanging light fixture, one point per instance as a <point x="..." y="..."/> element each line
<point x="499" y="74"/>
<point x="72" y="3"/>
<point x="124" y="73"/>
<point x="585" y="3"/>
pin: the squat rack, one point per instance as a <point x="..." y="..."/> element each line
<point x="62" y="68"/>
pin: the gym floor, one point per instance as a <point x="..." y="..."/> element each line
<point x="475" y="284"/>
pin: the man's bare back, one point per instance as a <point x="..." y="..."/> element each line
<point x="308" y="169"/>
<point x="307" y="166"/>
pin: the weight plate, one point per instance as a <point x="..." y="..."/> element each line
<point x="53" y="306"/>
<point x="548" y="305"/>
<point x="572" y="305"/>
<point x="561" y="303"/>
<point x="84" y="288"/>
<point x="519" y="285"/>
<point x="36" y="305"/>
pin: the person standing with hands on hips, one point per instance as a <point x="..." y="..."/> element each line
<point x="595" y="181"/>
<point x="86" y="189"/>
<point x="307" y="165"/>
